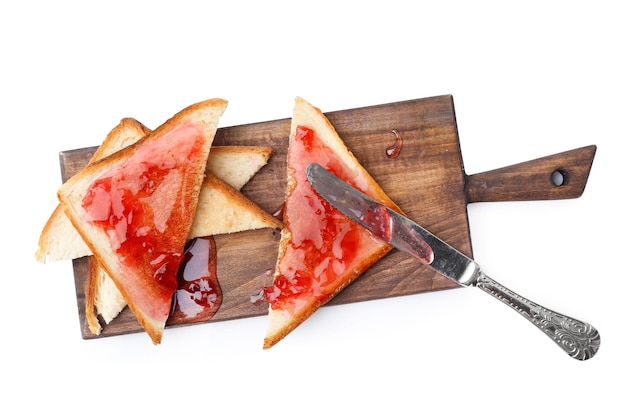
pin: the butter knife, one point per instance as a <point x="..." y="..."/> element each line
<point x="578" y="339"/>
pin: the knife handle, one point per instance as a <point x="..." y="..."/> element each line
<point x="559" y="176"/>
<point x="578" y="339"/>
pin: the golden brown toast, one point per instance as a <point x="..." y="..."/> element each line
<point x="320" y="250"/>
<point x="134" y="208"/>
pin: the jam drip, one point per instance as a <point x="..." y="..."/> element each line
<point x="393" y="151"/>
<point x="199" y="294"/>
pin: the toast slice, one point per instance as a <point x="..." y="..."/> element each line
<point x="320" y="250"/>
<point x="236" y="165"/>
<point x="222" y="209"/>
<point x="134" y="209"/>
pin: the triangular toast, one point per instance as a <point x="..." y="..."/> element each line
<point x="134" y="209"/>
<point x="223" y="209"/>
<point x="320" y="251"/>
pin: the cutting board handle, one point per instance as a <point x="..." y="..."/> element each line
<point x="559" y="176"/>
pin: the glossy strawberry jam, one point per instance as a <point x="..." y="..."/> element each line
<point x="393" y="151"/>
<point x="199" y="294"/>
<point x="142" y="205"/>
<point x="324" y="243"/>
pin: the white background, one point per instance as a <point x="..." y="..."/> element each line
<point x="528" y="80"/>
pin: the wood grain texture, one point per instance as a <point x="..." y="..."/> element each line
<point x="533" y="180"/>
<point x="426" y="180"/>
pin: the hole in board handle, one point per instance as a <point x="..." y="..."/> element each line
<point x="559" y="177"/>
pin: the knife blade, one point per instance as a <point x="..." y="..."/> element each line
<point x="580" y="340"/>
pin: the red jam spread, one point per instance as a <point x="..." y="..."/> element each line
<point x="141" y="205"/>
<point x="199" y="294"/>
<point x="379" y="222"/>
<point x="325" y="245"/>
<point x="378" y="218"/>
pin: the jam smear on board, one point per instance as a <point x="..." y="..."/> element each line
<point x="199" y="294"/>
<point x="393" y="151"/>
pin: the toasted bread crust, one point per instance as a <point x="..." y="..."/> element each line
<point x="127" y="132"/>
<point x="91" y="285"/>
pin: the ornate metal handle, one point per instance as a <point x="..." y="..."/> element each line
<point x="578" y="339"/>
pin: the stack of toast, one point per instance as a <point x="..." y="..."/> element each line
<point x="145" y="193"/>
<point x="215" y="197"/>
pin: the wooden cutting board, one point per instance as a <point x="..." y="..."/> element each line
<point x="427" y="180"/>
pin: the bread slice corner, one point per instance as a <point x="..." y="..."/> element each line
<point x="59" y="240"/>
<point x="222" y="209"/>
